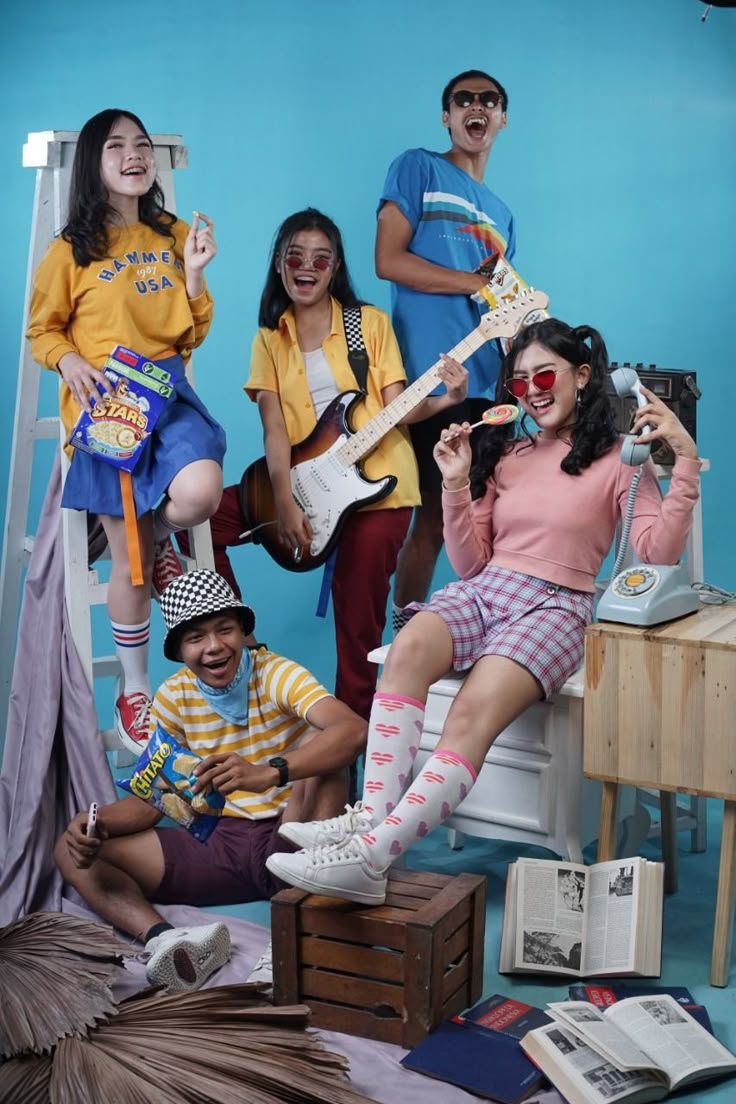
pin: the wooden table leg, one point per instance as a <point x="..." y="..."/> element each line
<point x="668" y="838"/>
<point x="607" y="822"/>
<point x="723" y="927"/>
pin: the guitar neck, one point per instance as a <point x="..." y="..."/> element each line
<point x="366" y="439"/>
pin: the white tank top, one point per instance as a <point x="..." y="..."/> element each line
<point x="320" y="380"/>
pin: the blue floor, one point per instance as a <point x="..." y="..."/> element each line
<point x="688" y="927"/>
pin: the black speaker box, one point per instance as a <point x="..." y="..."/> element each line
<point x="677" y="389"/>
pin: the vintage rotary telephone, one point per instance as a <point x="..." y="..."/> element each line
<point x="644" y="594"/>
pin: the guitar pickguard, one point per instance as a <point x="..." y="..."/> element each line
<point x="325" y="488"/>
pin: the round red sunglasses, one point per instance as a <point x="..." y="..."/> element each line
<point x="297" y="260"/>
<point x="543" y="381"/>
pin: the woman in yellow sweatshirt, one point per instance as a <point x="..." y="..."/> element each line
<point x="126" y="271"/>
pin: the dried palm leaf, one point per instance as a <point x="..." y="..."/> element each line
<point x="25" y="1080"/>
<point x="214" y="1046"/>
<point x="55" y="974"/>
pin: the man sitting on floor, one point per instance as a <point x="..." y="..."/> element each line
<point x="275" y="744"/>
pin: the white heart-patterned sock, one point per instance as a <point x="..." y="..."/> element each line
<point x="394" y="732"/>
<point x="431" y="798"/>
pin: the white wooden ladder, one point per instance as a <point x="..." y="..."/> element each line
<point x="51" y="153"/>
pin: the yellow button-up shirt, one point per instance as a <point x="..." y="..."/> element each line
<point x="277" y="365"/>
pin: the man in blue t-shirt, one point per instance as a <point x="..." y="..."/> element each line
<point x="437" y="224"/>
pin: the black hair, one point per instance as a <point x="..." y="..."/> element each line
<point x="172" y="643"/>
<point x="90" y="213"/>
<point x="476" y="74"/>
<point x="594" y="431"/>
<point x="274" y="299"/>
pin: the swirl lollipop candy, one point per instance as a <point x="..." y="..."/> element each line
<point x="495" y="416"/>
<point x="498" y="415"/>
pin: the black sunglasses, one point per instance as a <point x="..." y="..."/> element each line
<point x="464" y="97"/>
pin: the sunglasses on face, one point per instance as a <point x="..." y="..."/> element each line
<point x="298" y="260"/>
<point x="543" y="381"/>
<point x="464" y="97"/>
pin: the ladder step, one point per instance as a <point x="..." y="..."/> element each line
<point x="105" y="666"/>
<point x="97" y="592"/>
<point x="46" y="429"/>
<point x="121" y="757"/>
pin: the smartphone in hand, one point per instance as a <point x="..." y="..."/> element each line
<point x="91" y="829"/>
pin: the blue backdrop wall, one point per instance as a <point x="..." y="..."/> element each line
<point x="619" y="162"/>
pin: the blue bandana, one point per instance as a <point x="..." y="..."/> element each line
<point x="230" y="702"/>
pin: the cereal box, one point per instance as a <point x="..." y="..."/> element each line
<point x="163" y="777"/>
<point x="120" y="423"/>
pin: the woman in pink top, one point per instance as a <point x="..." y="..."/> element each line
<point x="526" y="530"/>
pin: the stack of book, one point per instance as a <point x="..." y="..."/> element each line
<point x="630" y="1044"/>
<point x="609" y="1042"/>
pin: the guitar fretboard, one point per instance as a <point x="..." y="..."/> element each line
<point x="366" y="439"/>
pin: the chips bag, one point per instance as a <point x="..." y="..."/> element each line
<point x="163" y="777"/>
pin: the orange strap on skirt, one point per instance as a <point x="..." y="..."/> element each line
<point x="131" y="529"/>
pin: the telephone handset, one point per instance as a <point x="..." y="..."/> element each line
<point x="626" y="382"/>
<point x="644" y="594"/>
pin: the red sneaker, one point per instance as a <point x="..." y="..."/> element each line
<point x="166" y="567"/>
<point x="131" y="720"/>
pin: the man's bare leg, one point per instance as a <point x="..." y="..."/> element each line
<point x="116" y="886"/>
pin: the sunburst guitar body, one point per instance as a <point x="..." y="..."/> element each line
<point x="327" y="480"/>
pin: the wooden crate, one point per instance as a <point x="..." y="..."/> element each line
<point x="392" y="972"/>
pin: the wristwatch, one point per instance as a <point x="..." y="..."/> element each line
<point x="282" y="767"/>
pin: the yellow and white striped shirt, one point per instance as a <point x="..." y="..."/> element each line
<point x="280" y="695"/>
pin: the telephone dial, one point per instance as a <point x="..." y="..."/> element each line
<point x="642" y="594"/>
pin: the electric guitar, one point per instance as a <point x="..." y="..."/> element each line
<point x="326" y="478"/>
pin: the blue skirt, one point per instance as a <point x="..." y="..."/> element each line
<point x="184" y="432"/>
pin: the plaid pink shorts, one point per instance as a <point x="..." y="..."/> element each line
<point x="538" y="624"/>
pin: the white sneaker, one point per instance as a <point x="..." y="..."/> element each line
<point x="315" y="833"/>
<point x="338" y="870"/>
<point x="263" y="969"/>
<point x="183" y="958"/>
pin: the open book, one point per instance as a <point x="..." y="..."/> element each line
<point x="564" y="918"/>
<point x="637" y="1050"/>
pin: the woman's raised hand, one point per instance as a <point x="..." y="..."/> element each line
<point x="453" y="456"/>
<point x="664" y="425"/>
<point x="199" y="249"/>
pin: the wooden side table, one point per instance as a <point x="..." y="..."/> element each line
<point x="660" y="712"/>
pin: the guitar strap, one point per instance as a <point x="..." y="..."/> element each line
<point x="358" y="361"/>
<point x="357" y="355"/>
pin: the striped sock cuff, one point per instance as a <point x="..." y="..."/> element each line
<point x="131" y="636"/>
<point x="444" y="755"/>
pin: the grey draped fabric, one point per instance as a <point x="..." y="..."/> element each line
<point x="53" y="764"/>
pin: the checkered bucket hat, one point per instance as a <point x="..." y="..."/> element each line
<point x="198" y="594"/>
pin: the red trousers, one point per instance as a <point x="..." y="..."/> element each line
<point x="367" y="552"/>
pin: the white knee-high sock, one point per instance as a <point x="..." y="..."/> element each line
<point x="131" y="648"/>
<point x="432" y="797"/>
<point x="394" y="731"/>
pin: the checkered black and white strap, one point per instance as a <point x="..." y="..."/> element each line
<point x="357" y="355"/>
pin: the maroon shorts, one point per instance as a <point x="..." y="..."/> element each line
<point x="229" y="868"/>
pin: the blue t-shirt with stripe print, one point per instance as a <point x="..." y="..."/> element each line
<point x="456" y="222"/>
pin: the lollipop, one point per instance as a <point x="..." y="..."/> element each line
<point x="498" y="415"/>
<point x="495" y="416"/>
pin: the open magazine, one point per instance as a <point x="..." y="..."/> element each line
<point x="565" y="918"/>
<point x="637" y="1050"/>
